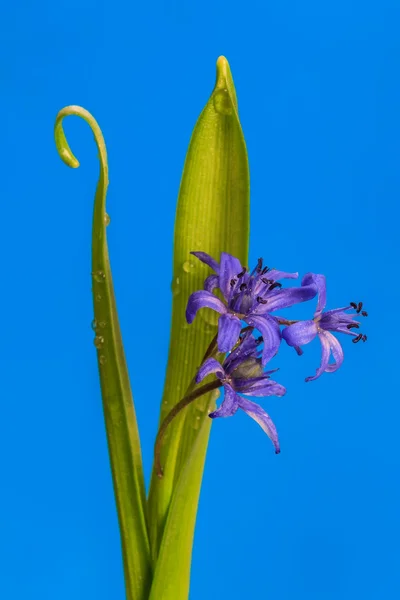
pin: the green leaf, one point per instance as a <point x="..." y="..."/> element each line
<point x="212" y="216"/>
<point x="119" y="413"/>
<point x="173" y="565"/>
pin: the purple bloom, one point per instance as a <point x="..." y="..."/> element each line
<point x="242" y="373"/>
<point x="336" y="320"/>
<point x="247" y="296"/>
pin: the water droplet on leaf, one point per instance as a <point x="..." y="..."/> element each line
<point x="98" y="341"/>
<point x="175" y="286"/>
<point x="188" y="267"/>
<point x="222" y="102"/>
<point x="107" y="219"/>
<point x="99" y="276"/>
<point x="98" y="297"/>
<point x="102" y="324"/>
<point x="102" y="359"/>
<point x="93" y="324"/>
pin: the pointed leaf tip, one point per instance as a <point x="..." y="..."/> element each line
<point x="224" y="80"/>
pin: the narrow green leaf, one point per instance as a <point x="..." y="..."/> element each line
<point x="119" y="413"/>
<point x="213" y="216"/>
<point x="171" y="581"/>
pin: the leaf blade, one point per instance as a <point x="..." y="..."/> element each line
<point x="119" y="412"/>
<point x="212" y="216"/>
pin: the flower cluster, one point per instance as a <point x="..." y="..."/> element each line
<point x="250" y="301"/>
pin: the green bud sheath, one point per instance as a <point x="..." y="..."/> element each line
<point x="212" y="216"/>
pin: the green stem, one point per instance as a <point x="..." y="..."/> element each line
<point x="204" y="389"/>
<point x="119" y="413"/>
<point x="282" y="321"/>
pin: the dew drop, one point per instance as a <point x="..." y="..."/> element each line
<point x="93" y="324"/>
<point x="102" y="324"/>
<point x="188" y="267"/>
<point x="222" y="102"/>
<point x="102" y="359"/>
<point x="99" y="276"/>
<point x="107" y="219"/>
<point x="98" y="297"/>
<point x="98" y="341"/>
<point x="175" y="286"/>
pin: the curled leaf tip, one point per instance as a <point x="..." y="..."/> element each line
<point x="64" y="151"/>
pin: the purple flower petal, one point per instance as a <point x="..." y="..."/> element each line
<point x="229" y="268"/>
<point x="326" y="350"/>
<point x="211" y="282"/>
<point x="211" y="365"/>
<point x="337" y="320"/>
<point x="207" y="259"/>
<point x="262" y="418"/>
<point x="320" y="282"/>
<point x="229" y="404"/>
<point x="260" y="387"/>
<point x="248" y="347"/>
<point x="229" y="328"/>
<point x="337" y="352"/>
<point x="276" y="275"/>
<point x="203" y="299"/>
<point x="286" y="297"/>
<point x="300" y="333"/>
<point x="269" y="329"/>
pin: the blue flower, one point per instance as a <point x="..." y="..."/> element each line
<point x="242" y="373"/>
<point x="248" y="297"/>
<point x="337" y="320"/>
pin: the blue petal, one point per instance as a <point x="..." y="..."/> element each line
<point x="276" y="275"/>
<point x="207" y="259"/>
<point x="269" y="329"/>
<point x="300" y="333"/>
<point x="337" y="320"/>
<point x="203" y="299"/>
<point x="211" y="282"/>
<point x="229" y="328"/>
<point x="337" y="352"/>
<point x="211" y="365"/>
<point x="326" y="350"/>
<point x="260" y="387"/>
<point x="262" y="418"/>
<point x="285" y="298"/>
<point x="247" y="348"/>
<point x="230" y="267"/>
<point x="320" y="282"/>
<point x="229" y="404"/>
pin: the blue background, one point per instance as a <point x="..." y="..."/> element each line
<point x="319" y="98"/>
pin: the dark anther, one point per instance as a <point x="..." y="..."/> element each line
<point x="364" y="313"/>
<point x="261" y="300"/>
<point x="353" y="326"/>
<point x="265" y="270"/>
<point x="357" y="338"/>
<point x="364" y="338"/>
<point x="353" y="305"/>
<point x="242" y="286"/>
<point x="239" y="275"/>
<point x="265" y="280"/>
<point x="259" y="265"/>
<point x="359" y="307"/>
<point x="259" y="339"/>
<point x="233" y="282"/>
<point x="274" y="285"/>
